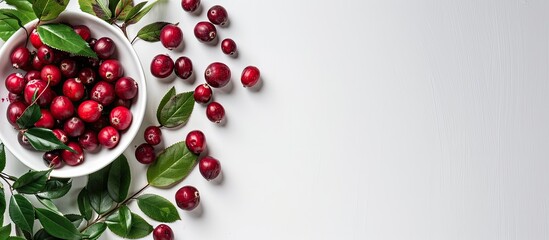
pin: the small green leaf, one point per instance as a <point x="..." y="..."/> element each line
<point x="29" y="117"/>
<point x="172" y="165"/>
<point x="2" y="204"/>
<point x="177" y="110"/>
<point x="64" y="38"/>
<point x="121" y="221"/>
<point x="122" y="9"/>
<point x="95" y="230"/>
<point x="100" y="200"/>
<point x="2" y="157"/>
<point x="158" y="208"/>
<point x="31" y="182"/>
<point x="56" y="225"/>
<point x="8" y="26"/>
<point x="119" y="179"/>
<point x="170" y="94"/>
<point x="47" y="10"/>
<point x="137" y="17"/>
<point x="75" y="219"/>
<point x="133" y="11"/>
<point x="5" y="231"/>
<point x="84" y="205"/>
<point x="43" y="139"/>
<point x="55" y="189"/>
<point x="98" y="8"/>
<point x="21" y="212"/>
<point x="139" y="228"/>
<point x="49" y="205"/>
<point x="151" y="32"/>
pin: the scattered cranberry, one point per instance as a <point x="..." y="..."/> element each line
<point x="88" y="140"/>
<point x="202" y="93"/>
<point x="46" y="55"/>
<point x="21" y="57"/>
<point x="187" y="198"/>
<point x="61" y="135"/>
<point x="190" y="5"/>
<point x="104" y="48"/>
<point x="228" y="46"/>
<point x="46" y="120"/>
<point x="215" y="112"/>
<point x="83" y="31"/>
<point x="209" y="167"/>
<point x="162" y="66"/>
<point x="51" y="73"/>
<point x="61" y="108"/>
<point x="53" y="159"/>
<point x="205" y="32"/>
<point x="23" y="140"/>
<point x="74" y="89"/>
<point x="125" y="88"/>
<point x="171" y="36"/>
<point x="15" y="83"/>
<point x="87" y="76"/>
<point x="70" y="158"/>
<point x="250" y="76"/>
<point x="74" y="127"/>
<point x="108" y="137"/>
<point x="183" y="67"/>
<point x="145" y="153"/>
<point x="90" y="111"/>
<point x="32" y="75"/>
<point x="120" y="118"/>
<point x="35" y="39"/>
<point x="163" y="232"/>
<point x="218" y="15"/>
<point x="15" y="110"/>
<point x="103" y="92"/>
<point x="217" y="74"/>
<point x="196" y="141"/>
<point x="40" y="87"/>
<point x="111" y="70"/>
<point x="68" y="68"/>
<point x="153" y="135"/>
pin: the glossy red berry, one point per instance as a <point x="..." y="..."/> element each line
<point x="36" y="63"/>
<point x="52" y="74"/>
<point x="23" y="141"/>
<point x="218" y="15"/>
<point x="145" y="153"/>
<point x="68" y="68"/>
<point x="163" y="232"/>
<point x="15" y="110"/>
<point x="217" y="74"/>
<point x="153" y="135"/>
<point x="202" y="93"/>
<point x="190" y="5"/>
<point x="228" y="46"/>
<point x="61" y="108"/>
<point x="171" y="36"/>
<point x="205" y="32"/>
<point x="70" y="158"/>
<point x="183" y="67"/>
<point x="108" y="137"/>
<point x="35" y="39"/>
<point x="74" y="89"/>
<point x="74" y="127"/>
<point x="21" y="58"/>
<point x="32" y="75"/>
<point x="83" y="31"/>
<point x="162" y="66"/>
<point x="121" y="118"/>
<point x="103" y="92"/>
<point x="104" y="48"/>
<point x="111" y="70"/>
<point x="46" y="120"/>
<point x="215" y="112"/>
<point x="15" y="83"/>
<point x="125" y="88"/>
<point x="88" y="141"/>
<point x="61" y="135"/>
<point x="90" y="111"/>
<point x="87" y="76"/>
<point x="209" y="167"/>
<point x="41" y="89"/>
<point x="250" y="76"/>
<point x="187" y="198"/>
<point x="196" y="141"/>
<point x="53" y="159"/>
<point x="46" y="55"/>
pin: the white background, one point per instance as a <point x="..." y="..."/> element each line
<point x="393" y="119"/>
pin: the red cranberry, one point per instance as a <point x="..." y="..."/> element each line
<point x="35" y="39"/>
<point x="162" y="66"/>
<point x="24" y="141"/>
<point x="88" y="140"/>
<point x="163" y="232"/>
<point x="127" y="103"/>
<point x="36" y="63"/>
<point x="52" y="74"/>
<point x="153" y="135"/>
<point x="61" y="108"/>
<point x="108" y="137"/>
<point x="125" y="88"/>
<point x="217" y="74"/>
<point x="39" y="86"/>
<point x="15" y="97"/>
<point x="74" y="127"/>
<point x="183" y="67"/>
<point x="202" y="93"/>
<point x="228" y="46"/>
<point x="171" y="36"/>
<point x="15" y="83"/>
<point x="21" y="57"/>
<point x="83" y="31"/>
<point x="104" y="47"/>
<point x="215" y="112"/>
<point x="87" y="76"/>
<point x="187" y="198"/>
<point x="218" y="15"/>
<point x="46" y="120"/>
<point x="15" y="110"/>
<point x="61" y="135"/>
<point x="103" y="92"/>
<point x="90" y="111"/>
<point x="70" y="158"/>
<point x="92" y="42"/>
<point x="209" y="167"/>
<point x="74" y="89"/>
<point x="196" y="141"/>
<point x="190" y="5"/>
<point x="53" y="159"/>
<point x="111" y="70"/>
<point x="145" y="153"/>
<point x="68" y="68"/>
<point x="250" y="76"/>
<point x="46" y="55"/>
<point x="32" y="75"/>
<point x="205" y="32"/>
<point x="121" y="118"/>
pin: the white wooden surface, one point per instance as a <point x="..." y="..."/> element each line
<point x="394" y="119"/>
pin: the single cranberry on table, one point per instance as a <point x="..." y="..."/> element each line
<point x="162" y="66"/>
<point x="90" y="111"/>
<point x="70" y="158"/>
<point x="205" y="32"/>
<point x="217" y="74"/>
<point x="108" y="137"/>
<point x="153" y="135"/>
<point x="15" y="83"/>
<point x="209" y="167"/>
<point x="88" y="141"/>
<point x="111" y="70"/>
<point x="187" y="198"/>
<point x="83" y="31"/>
<point x="74" y="127"/>
<point x="104" y="48"/>
<point x="196" y="141"/>
<point x="183" y="67"/>
<point x="145" y="153"/>
<point x="171" y="36"/>
<point x="190" y="5"/>
<point x="61" y="135"/>
<point x="52" y="74"/>
<point x="126" y="88"/>
<point x="162" y="232"/>
<point x="202" y="93"/>
<point x="121" y="118"/>
<point x="228" y="46"/>
<point x="15" y="110"/>
<point x="53" y="159"/>
<point x="218" y="15"/>
<point x="21" y="58"/>
<point x="250" y="76"/>
<point x="46" y="55"/>
<point x="62" y="108"/>
<point x="46" y="120"/>
<point x="215" y="112"/>
<point x="103" y="92"/>
<point x="74" y="89"/>
<point x="35" y="39"/>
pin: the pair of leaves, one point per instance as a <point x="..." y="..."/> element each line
<point x="126" y="224"/>
<point x="172" y="165"/>
<point x="43" y="139"/>
<point x="64" y="38"/>
<point x="175" y="109"/>
<point x="114" y="10"/>
<point x="136" y="13"/>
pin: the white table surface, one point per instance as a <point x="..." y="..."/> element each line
<point x="394" y="119"/>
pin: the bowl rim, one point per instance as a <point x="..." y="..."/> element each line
<point x="137" y="116"/>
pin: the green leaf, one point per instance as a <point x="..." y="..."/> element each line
<point x="55" y="189"/>
<point x="24" y="7"/>
<point x="170" y="94"/>
<point x="171" y="166"/>
<point x="64" y="38"/>
<point x="134" y="10"/>
<point x="30" y="116"/>
<point x="75" y="219"/>
<point x="121" y="221"/>
<point x="112" y="5"/>
<point x="98" y="8"/>
<point x="151" y="32"/>
<point x="122" y="9"/>
<point x="84" y="205"/>
<point x="177" y="110"/>
<point x="137" y="17"/>
<point x="13" y="14"/>
<point x="43" y="235"/>
<point x="8" y="26"/>
<point x="43" y="139"/>
<point x="56" y="225"/>
<point x="95" y="230"/>
<point x="15" y="238"/>
<point x="47" y="10"/>
<point x="100" y="200"/>
<point x="158" y="208"/>
<point x="2" y="204"/>
<point x="21" y="212"/>
<point x="49" y="205"/>
<point x="139" y="228"/>
<point x="119" y="179"/>
<point x="2" y="157"/>
<point x="5" y="231"/>
<point x="31" y="182"/>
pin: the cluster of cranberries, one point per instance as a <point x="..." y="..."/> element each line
<point x="84" y="101"/>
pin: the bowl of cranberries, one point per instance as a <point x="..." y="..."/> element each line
<point x="93" y="105"/>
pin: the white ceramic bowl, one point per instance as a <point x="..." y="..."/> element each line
<point x="132" y="68"/>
